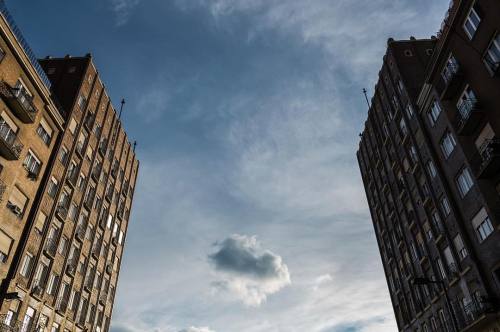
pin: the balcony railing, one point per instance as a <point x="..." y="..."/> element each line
<point x="62" y="211"/>
<point x="451" y="80"/>
<point x="9" y="323"/>
<point x="72" y="177"/>
<point x="470" y="313"/>
<point x="62" y="304"/>
<point x="38" y="288"/>
<point x="71" y="266"/>
<point x="80" y="232"/>
<point x="51" y="247"/>
<point x="468" y="116"/>
<point x="10" y="146"/>
<point x="486" y="162"/>
<point x="21" y="103"/>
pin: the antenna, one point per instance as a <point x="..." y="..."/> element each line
<point x="135" y="144"/>
<point x="366" y="97"/>
<point x="121" y="109"/>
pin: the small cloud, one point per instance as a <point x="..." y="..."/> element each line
<point x="197" y="329"/>
<point x="321" y="280"/>
<point x="122" y="10"/>
<point x="248" y="271"/>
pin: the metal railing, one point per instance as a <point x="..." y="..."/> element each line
<point x="10" y="139"/>
<point x="469" y="313"/>
<point x="9" y="323"/>
<point x="51" y="246"/>
<point x="27" y="49"/>
<point x="25" y="100"/>
<point x="452" y="70"/>
<point x="465" y="108"/>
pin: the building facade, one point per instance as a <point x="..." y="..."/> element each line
<point x="68" y="173"/>
<point x="30" y="124"/>
<point x="432" y="175"/>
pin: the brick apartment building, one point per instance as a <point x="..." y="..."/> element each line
<point x="430" y="161"/>
<point x="67" y="179"/>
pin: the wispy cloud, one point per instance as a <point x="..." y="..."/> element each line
<point x="123" y="9"/>
<point x="197" y="329"/>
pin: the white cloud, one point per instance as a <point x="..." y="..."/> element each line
<point x="197" y="329"/>
<point x="123" y="9"/>
<point x="247" y="271"/>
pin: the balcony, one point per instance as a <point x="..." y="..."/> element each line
<point x="103" y="147"/>
<point x="71" y="266"/>
<point x="96" y="250"/>
<point x="103" y="298"/>
<point x="37" y="289"/>
<point x="9" y="324"/>
<point x="62" y="211"/>
<point x="10" y="146"/>
<point x="80" y="232"/>
<point x="486" y="163"/>
<point x="469" y="114"/>
<point x="21" y="104"/>
<point x="61" y="304"/>
<point x="472" y="313"/>
<point x="96" y="172"/>
<point x="451" y="81"/>
<point x="89" y="121"/>
<point x="50" y="247"/>
<point x="72" y="177"/>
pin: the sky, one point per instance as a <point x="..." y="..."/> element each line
<point x="249" y="213"/>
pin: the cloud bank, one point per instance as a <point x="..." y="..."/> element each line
<point x="248" y="271"/>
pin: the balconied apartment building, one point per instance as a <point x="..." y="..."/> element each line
<point x="67" y="191"/>
<point x="30" y="124"/>
<point x="432" y="176"/>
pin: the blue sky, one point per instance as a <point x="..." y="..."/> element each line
<point x="249" y="214"/>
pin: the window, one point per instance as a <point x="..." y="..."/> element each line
<point x="52" y="187"/>
<point x="51" y="71"/>
<point x="97" y="202"/>
<point x="72" y="126"/>
<point x="413" y="154"/>
<point x="434" y="113"/>
<point x="409" y="110"/>
<point x="27" y="265"/>
<point x="450" y="69"/>
<point x="44" y="131"/>
<point x="55" y="327"/>
<point x="436" y="221"/>
<point x="40" y="222"/>
<point x="73" y="211"/>
<point x="445" y="206"/>
<point x="460" y="247"/>
<point x="464" y="181"/>
<point x="17" y="202"/>
<point x="27" y="320"/>
<point x="63" y="155"/>
<point x="466" y="103"/>
<point x="32" y="164"/>
<point x="492" y="56"/>
<point x="5" y="246"/>
<point x="472" y="22"/>
<point x="447" y="144"/>
<point x="120" y="237"/>
<point x="81" y="181"/>
<point x="2" y="54"/>
<point x="441" y="270"/>
<point x="110" y="221"/>
<point x="402" y="126"/>
<point x="53" y="283"/>
<point x="82" y="101"/>
<point x="431" y="169"/>
<point x="63" y="246"/>
<point x="408" y="53"/>
<point x="482" y="224"/>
